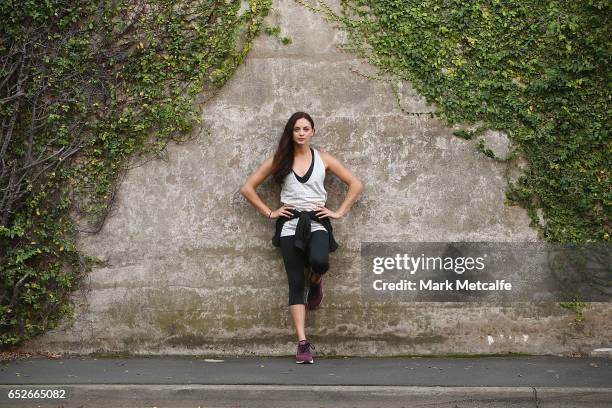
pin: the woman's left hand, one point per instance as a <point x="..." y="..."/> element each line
<point x="323" y="212"/>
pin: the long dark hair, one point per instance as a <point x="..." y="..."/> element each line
<point x="283" y="158"/>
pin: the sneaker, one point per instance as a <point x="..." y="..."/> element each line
<point x="303" y="354"/>
<point x="315" y="295"/>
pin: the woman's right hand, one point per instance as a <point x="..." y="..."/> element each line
<point x="283" y="211"/>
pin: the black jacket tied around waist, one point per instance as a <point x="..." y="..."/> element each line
<point x="302" y="230"/>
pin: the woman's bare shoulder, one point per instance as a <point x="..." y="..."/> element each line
<point x="326" y="157"/>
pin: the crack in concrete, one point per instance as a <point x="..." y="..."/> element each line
<point x="535" y="396"/>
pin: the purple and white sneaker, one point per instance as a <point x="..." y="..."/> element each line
<point x="303" y="354"/>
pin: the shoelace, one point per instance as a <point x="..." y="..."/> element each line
<point x="303" y="348"/>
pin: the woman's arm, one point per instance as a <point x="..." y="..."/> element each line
<point x="355" y="186"/>
<point x="252" y="182"/>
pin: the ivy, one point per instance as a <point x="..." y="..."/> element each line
<point x="89" y="90"/>
<point x="535" y="70"/>
<point x="577" y="307"/>
<point x="275" y="31"/>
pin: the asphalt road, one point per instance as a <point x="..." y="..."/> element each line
<point x="538" y="381"/>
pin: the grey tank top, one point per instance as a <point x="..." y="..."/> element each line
<point x="305" y="196"/>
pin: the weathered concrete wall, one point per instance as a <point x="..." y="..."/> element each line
<point x="190" y="267"/>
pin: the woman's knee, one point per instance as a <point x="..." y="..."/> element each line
<point x="319" y="264"/>
<point x="318" y="256"/>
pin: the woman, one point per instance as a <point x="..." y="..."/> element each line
<point x="303" y="227"/>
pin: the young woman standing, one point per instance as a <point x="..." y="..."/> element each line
<point x="303" y="227"/>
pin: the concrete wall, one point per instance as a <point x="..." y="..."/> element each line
<point x="190" y="267"/>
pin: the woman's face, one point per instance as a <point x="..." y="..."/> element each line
<point x="302" y="132"/>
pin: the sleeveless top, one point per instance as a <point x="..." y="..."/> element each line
<point x="305" y="193"/>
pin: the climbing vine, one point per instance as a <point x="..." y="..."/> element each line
<point x="538" y="71"/>
<point x="577" y="307"/>
<point x="89" y="89"/>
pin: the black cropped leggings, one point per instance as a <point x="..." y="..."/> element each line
<point x="317" y="255"/>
